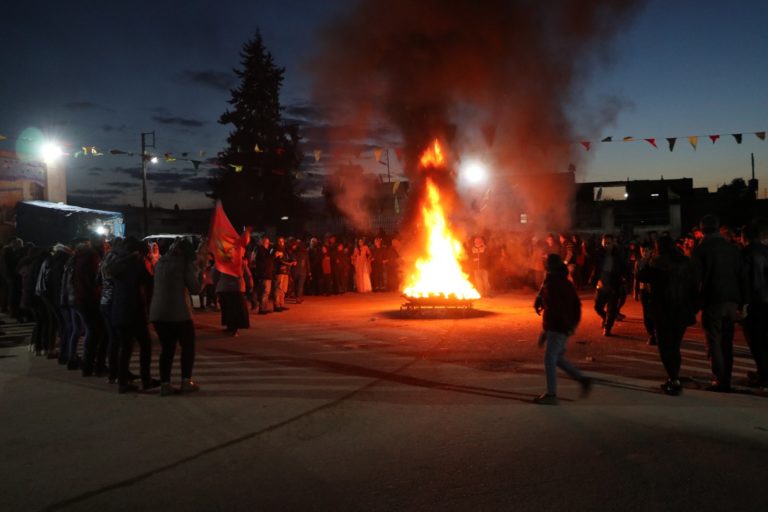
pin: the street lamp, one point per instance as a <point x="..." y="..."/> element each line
<point x="474" y="172"/>
<point x="50" y="151"/>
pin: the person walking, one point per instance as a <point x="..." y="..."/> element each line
<point x="608" y="278"/>
<point x="642" y="291"/>
<point x="561" y="308"/>
<point x="756" y="299"/>
<point x="671" y="283"/>
<point x="176" y="278"/>
<point x="719" y="266"/>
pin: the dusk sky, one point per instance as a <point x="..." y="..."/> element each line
<point x="98" y="74"/>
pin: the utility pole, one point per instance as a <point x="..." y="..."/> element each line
<point x="144" y="158"/>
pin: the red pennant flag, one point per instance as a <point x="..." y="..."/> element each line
<point x="399" y="154"/>
<point x="714" y="138"/>
<point x="225" y="244"/>
<point x="652" y="142"/>
<point x="586" y="144"/>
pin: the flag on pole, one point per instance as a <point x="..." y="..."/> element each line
<point x="225" y="244"/>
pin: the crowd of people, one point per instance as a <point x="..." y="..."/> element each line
<point x="108" y="293"/>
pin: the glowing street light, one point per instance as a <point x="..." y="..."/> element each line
<point x="474" y="172"/>
<point x="153" y="160"/>
<point x="50" y="151"/>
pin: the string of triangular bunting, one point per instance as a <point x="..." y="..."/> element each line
<point x="693" y="140"/>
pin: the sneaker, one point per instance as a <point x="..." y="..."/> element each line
<point x="127" y="388"/>
<point x="672" y="387"/>
<point x="718" y="387"/>
<point x="546" y="399"/>
<point x="586" y="387"/>
<point x="166" y="389"/>
<point x="149" y="384"/>
<point x="189" y="386"/>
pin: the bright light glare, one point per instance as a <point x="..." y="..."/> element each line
<point x="153" y="160"/>
<point x="474" y="172"/>
<point x="284" y="217"/>
<point x="100" y="230"/>
<point x="51" y="152"/>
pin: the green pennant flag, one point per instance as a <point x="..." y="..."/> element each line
<point x="607" y="139"/>
<point x="737" y="136"/>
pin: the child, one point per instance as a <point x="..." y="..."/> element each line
<point x="562" y="313"/>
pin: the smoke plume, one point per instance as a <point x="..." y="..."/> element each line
<point x="487" y="77"/>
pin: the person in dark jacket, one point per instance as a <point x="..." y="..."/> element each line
<point x="720" y="274"/>
<point x="642" y="291"/>
<point x="756" y="299"/>
<point x="132" y="284"/>
<point x="283" y="265"/>
<point x="105" y="306"/>
<point x="71" y="318"/>
<point x="263" y="274"/>
<point x="176" y="277"/>
<point x="608" y="279"/>
<point x="51" y="293"/>
<point x="87" y="293"/>
<point x="300" y="270"/>
<point x="671" y="282"/>
<point x="29" y="270"/>
<point x="561" y="308"/>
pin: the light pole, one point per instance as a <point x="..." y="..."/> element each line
<point x="144" y="158"/>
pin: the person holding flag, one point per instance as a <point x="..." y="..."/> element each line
<point x="234" y="278"/>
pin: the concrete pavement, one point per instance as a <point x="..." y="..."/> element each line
<point x="342" y="403"/>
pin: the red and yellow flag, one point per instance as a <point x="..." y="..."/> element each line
<point x="225" y="244"/>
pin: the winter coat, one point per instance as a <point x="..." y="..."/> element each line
<point x="132" y="287"/>
<point x="175" y="280"/>
<point x="755" y="274"/>
<point x="86" y="269"/>
<point x="263" y="264"/>
<point x="560" y="302"/>
<point x="719" y="267"/>
<point x="674" y="290"/>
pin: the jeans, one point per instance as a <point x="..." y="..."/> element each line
<point x="718" y="323"/>
<point x="170" y="333"/>
<point x="264" y="291"/>
<point x="299" y="281"/>
<point x="113" y="345"/>
<point x="669" y="340"/>
<point x="554" y="357"/>
<point x="126" y="334"/>
<point x="607" y="305"/>
<point x="756" y="332"/>
<point x="69" y="334"/>
<point x="281" y="286"/>
<point x="94" y="345"/>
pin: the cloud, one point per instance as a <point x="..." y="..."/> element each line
<point x="93" y="196"/>
<point x="179" y="121"/>
<point x="120" y="129"/>
<point x="304" y="111"/>
<point x="123" y="184"/>
<point x="86" y="105"/>
<point x="215" y="79"/>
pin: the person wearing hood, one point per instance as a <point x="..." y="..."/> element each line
<point x="48" y="288"/>
<point x="561" y="308"/>
<point x="176" y="277"/>
<point x="131" y="289"/>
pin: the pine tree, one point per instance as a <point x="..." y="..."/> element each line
<point x="256" y="179"/>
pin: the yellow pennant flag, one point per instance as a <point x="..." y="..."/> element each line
<point x="628" y="139"/>
<point x="377" y="154"/>
<point x="395" y="187"/>
<point x="169" y="157"/>
<point x="256" y="149"/>
<point x="317" y="154"/>
<point x="760" y="135"/>
<point x="3" y="137"/>
<point x="693" y="139"/>
<point x="237" y="168"/>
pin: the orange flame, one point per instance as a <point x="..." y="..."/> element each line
<point x="438" y="272"/>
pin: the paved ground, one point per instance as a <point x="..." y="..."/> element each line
<point x="343" y="403"/>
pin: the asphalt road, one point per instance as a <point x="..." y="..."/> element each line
<point x="344" y="403"/>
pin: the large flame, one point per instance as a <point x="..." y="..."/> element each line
<point x="437" y="272"/>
